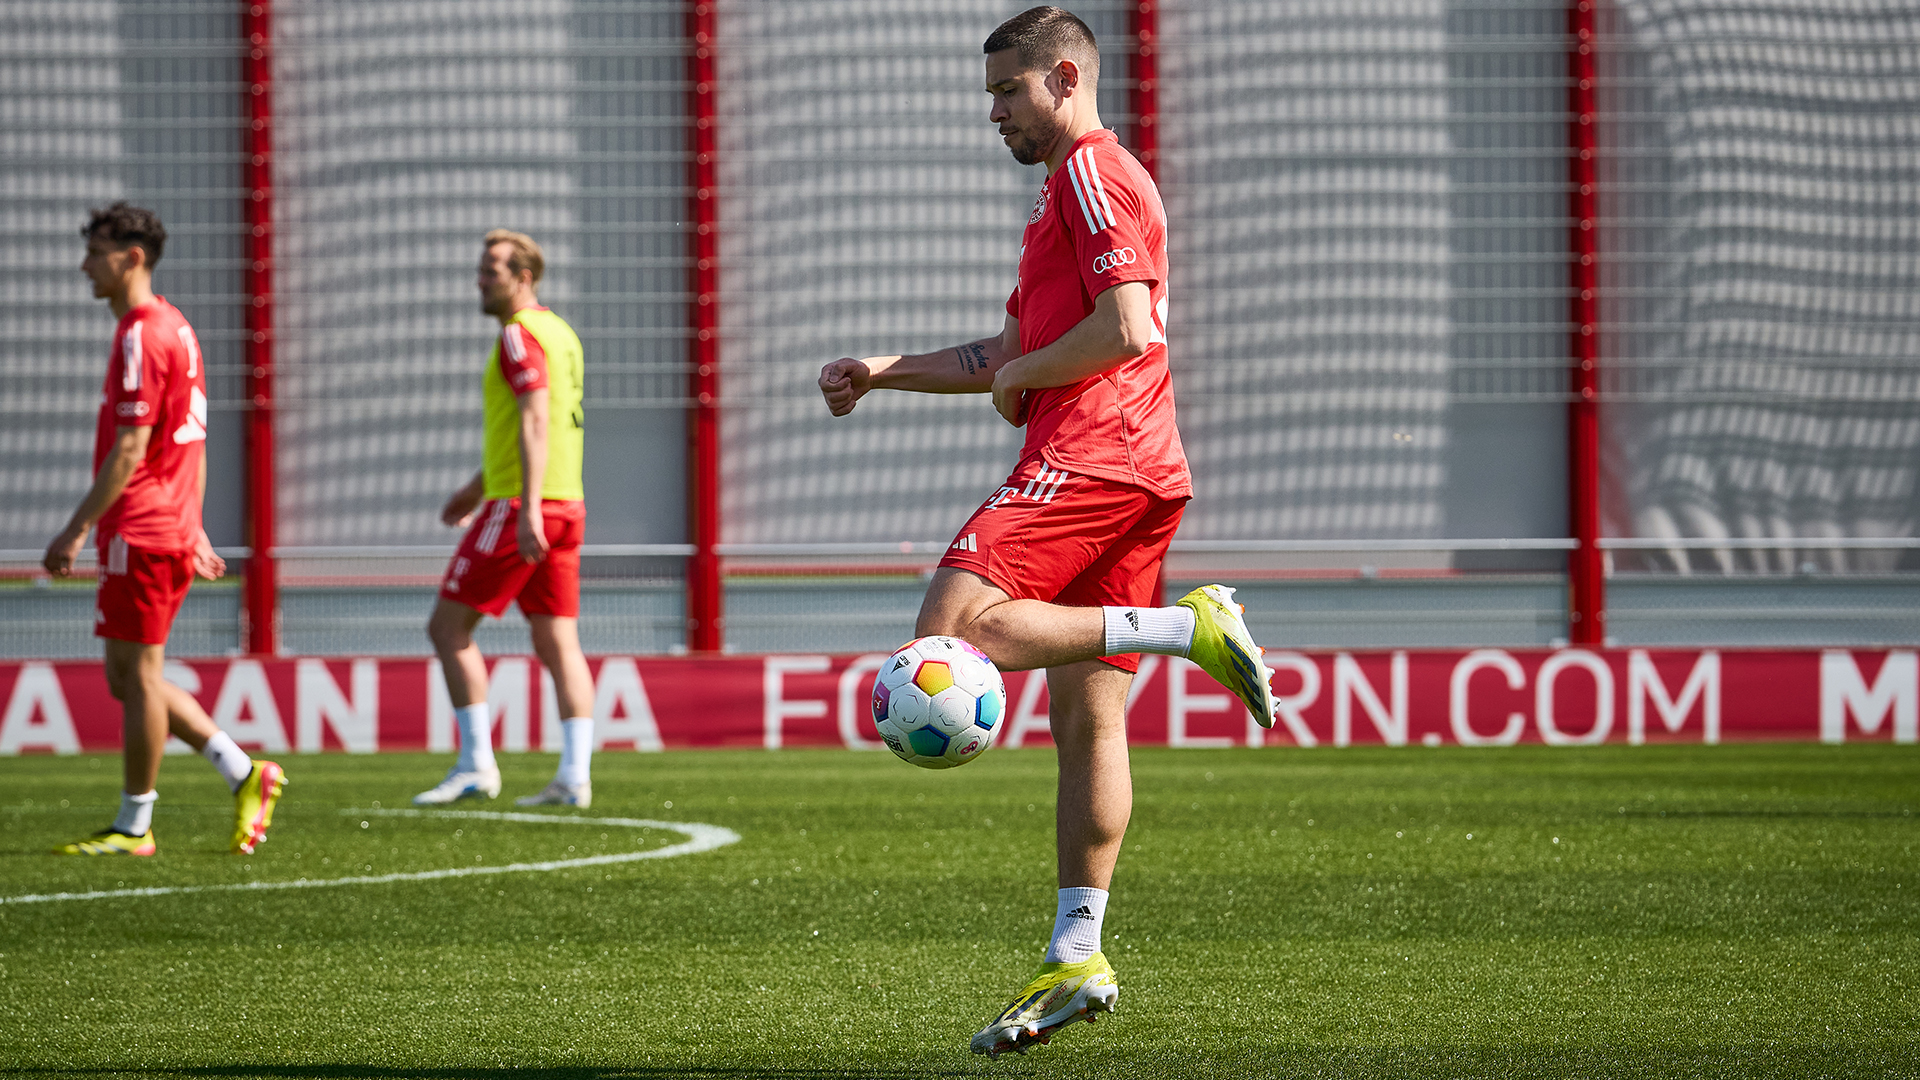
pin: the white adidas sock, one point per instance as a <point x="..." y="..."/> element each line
<point x="1076" y="925"/>
<point x="1164" y="630"/>
<point x="136" y="813"/>
<point x="476" y="738"/>
<point x="228" y="759"/>
<point x="576" y="751"/>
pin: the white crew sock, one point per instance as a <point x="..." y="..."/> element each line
<point x="476" y="738"/>
<point x="136" y="813"/>
<point x="1076" y="925"/>
<point x="228" y="759"/>
<point x="1164" y="630"/>
<point x="576" y="751"/>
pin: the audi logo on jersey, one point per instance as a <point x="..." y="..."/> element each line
<point x="131" y="408"/>
<point x="1113" y="260"/>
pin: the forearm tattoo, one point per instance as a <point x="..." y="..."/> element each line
<point x="973" y="358"/>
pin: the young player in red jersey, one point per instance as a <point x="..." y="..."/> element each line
<point x="150" y="475"/>
<point x="1057" y="569"/>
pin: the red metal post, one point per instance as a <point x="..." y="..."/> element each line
<point x="1146" y="135"/>
<point x="262" y="611"/>
<point x="706" y="621"/>
<point x="1587" y="610"/>
<point x="1146" y="86"/>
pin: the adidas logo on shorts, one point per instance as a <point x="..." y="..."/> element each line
<point x="966" y="543"/>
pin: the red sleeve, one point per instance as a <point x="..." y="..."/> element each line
<point x="133" y="383"/>
<point x="1013" y="303"/>
<point x="523" y="363"/>
<point x="1109" y="221"/>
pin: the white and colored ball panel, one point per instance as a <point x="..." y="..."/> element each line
<point x="969" y="745"/>
<point x="988" y="708"/>
<point x="907" y="707"/>
<point x="952" y="710"/>
<point x="938" y="702"/>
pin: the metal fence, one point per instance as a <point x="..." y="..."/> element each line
<point x="1369" y="307"/>
<point x="1762" y="304"/>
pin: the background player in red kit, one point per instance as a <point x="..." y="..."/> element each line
<point x="525" y="513"/>
<point x="1057" y="569"/>
<point x="150" y="475"/>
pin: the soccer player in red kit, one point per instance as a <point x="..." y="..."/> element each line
<point x="150" y="475"/>
<point x="1057" y="569"/>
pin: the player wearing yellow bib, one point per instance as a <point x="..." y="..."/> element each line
<point x="525" y="513"/>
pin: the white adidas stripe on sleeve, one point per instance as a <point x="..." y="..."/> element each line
<point x="1097" y="186"/>
<point x="132" y="358"/>
<point x="1079" y="194"/>
<point x="1083" y="193"/>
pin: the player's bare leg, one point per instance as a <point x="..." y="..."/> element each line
<point x="133" y="673"/>
<point x="186" y="720"/>
<point x="450" y="628"/>
<point x="256" y="785"/>
<point x="1020" y="635"/>
<point x="556" y="641"/>
<point x="134" y="677"/>
<point x="1017" y="635"/>
<point x="1087" y="714"/>
<point x="1094" y="802"/>
<point x="474" y="773"/>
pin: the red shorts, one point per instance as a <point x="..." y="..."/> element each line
<point x="140" y="591"/>
<point x="487" y="573"/>
<point x="1079" y="541"/>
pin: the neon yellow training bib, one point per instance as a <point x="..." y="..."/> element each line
<point x="566" y="422"/>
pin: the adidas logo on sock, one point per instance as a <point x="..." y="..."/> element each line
<point x="1081" y="912"/>
<point x="1133" y="620"/>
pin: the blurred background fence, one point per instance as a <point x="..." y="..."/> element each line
<point x="1371" y="324"/>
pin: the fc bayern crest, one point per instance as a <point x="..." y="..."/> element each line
<point x="1039" y="206"/>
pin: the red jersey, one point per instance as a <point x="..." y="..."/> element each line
<point x="1099" y="223"/>
<point x="155" y="378"/>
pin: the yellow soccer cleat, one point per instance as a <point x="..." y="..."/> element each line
<point x="253" y="806"/>
<point x="1059" y="995"/>
<point x="1224" y="649"/>
<point x="108" y="842"/>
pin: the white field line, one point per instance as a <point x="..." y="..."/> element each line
<point x="701" y="838"/>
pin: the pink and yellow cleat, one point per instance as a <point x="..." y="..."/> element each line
<point x="253" y="806"/>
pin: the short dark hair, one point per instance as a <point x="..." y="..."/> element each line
<point x="128" y="226"/>
<point x="1046" y="35"/>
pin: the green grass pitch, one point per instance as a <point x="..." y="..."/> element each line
<point x="1705" y="911"/>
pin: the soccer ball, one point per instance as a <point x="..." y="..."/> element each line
<point x="938" y="702"/>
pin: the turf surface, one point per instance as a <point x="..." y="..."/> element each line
<point x="1660" y="911"/>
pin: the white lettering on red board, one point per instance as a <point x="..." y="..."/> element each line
<point x="318" y="704"/>
<point x="37" y="717"/>
<point x="1844" y="690"/>
<point x="619" y="689"/>
<point x="777" y="709"/>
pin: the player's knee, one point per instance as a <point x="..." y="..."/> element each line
<point x="959" y="604"/>
<point x="136" y="682"/>
<point x="124" y="673"/>
<point x="447" y="634"/>
<point x="947" y="623"/>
